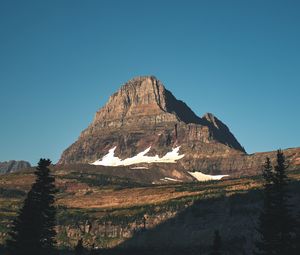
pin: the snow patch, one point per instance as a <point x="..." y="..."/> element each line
<point x="206" y="177"/>
<point x="110" y="159"/>
<point x="139" y="167"/>
<point x="170" y="179"/>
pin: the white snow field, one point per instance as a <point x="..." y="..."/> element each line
<point x="110" y="159"/>
<point x="206" y="177"/>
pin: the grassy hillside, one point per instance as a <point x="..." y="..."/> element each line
<point x="110" y="211"/>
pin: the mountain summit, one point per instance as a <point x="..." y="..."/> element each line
<point x="146" y="98"/>
<point x="144" y="114"/>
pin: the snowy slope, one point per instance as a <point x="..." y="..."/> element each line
<point x="110" y="159"/>
<point x="206" y="177"/>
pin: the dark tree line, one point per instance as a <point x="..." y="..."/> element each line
<point x="217" y="244"/>
<point x="277" y="227"/>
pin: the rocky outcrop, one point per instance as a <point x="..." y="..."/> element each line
<point x="108" y="233"/>
<point x="13" y="166"/>
<point x="242" y="165"/>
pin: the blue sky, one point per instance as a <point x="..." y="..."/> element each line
<point x="60" y="60"/>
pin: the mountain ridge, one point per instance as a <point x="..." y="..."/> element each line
<point x="13" y="166"/>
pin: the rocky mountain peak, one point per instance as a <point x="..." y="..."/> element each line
<point x="147" y="82"/>
<point x="220" y="131"/>
<point x="144" y="97"/>
<point x="143" y="114"/>
<point x="141" y="90"/>
<point x="139" y="97"/>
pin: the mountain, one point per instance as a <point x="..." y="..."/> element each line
<point x="144" y="123"/>
<point x="143" y="113"/>
<point x="13" y="166"/>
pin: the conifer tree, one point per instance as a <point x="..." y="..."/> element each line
<point x="33" y="230"/>
<point x="79" y="249"/>
<point x="93" y="250"/>
<point x="217" y="244"/>
<point x="297" y="237"/>
<point x="276" y="225"/>
<point x="268" y="172"/>
<point x="285" y="224"/>
<point x="264" y="246"/>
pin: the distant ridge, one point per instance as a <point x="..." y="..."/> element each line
<point x="13" y="166"/>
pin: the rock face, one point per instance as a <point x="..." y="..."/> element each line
<point x="113" y="233"/>
<point x="13" y="166"/>
<point x="143" y="113"/>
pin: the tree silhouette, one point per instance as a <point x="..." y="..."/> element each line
<point x="297" y="238"/>
<point x="285" y="224"/>
<point x="217" y="244"/>
<point x="276" y="225"/>
<point x="79" y="249"/>
<point x="268" y="171"/>
<point x="266" y="219"/>
<point x="93" y="250"/>
<point x="33" y="232"/>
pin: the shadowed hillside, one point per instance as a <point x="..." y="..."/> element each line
<point x="110" y="211"/>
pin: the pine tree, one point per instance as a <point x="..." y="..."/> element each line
<point x="285" y="224"/>
<point x="93" y="250"/>
<point x="217" y="244"/>
<point x="275" y="222"/>
<point x="79" y="249"/>
<point x="33" y="230"/>
<point x="264" y="245"/>
<point x="268" y="172"/>
<point x="297" y="237"/>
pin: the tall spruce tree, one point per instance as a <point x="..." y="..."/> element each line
<point x="276" y="225"/>
<point x="297" y="238"/>
<point x="79" y="249"/>
<point x="33" y="230"/>
<point x="268" y="172"/>
<point x="217" y="244"/>
<point x="264" y="246"/>
<point x="93" y="250"/>
<point x="285" y="223"/>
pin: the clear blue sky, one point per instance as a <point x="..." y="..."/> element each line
<point x="60" y="60"/>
